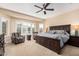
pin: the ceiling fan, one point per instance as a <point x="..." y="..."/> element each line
<point x="44" y="8"/>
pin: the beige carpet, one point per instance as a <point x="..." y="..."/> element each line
<point x="70" y="51"/>
<point x="30" y="48"/>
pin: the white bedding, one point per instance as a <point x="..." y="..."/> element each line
<point x="62" y="37"/>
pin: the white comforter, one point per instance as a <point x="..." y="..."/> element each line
<point x="62" y="37"/>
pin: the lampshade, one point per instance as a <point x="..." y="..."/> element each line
<point x="76" y="27"/>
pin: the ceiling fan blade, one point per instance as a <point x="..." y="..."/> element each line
<point x="39" y="11"/>
<point x="49" y="9"/>
<point x="46" y="5"/>
<point x="44" y="12"/>
<point x="38" y="6"/>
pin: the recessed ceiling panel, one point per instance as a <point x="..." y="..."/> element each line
<point x="30" y="9"/>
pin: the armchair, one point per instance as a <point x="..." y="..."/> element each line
<point x="2" y="50"/>
<point x="17" y="38"/>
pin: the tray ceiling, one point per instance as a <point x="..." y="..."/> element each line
<point x="30" y="9"/>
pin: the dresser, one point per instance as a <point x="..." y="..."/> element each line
<point x="74" y="40"/>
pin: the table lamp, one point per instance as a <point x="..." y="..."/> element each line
<point x="76" y="27"/>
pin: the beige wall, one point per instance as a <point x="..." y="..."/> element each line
<point x="14" y="20"/>
<point x="19" y="15"/>
<point x="65" y="18"/>
<point x="12" y="17"/>
<point x="7" y="18"/>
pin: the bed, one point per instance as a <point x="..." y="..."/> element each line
<point x="51" y="43"/>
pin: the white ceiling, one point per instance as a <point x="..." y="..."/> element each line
<point x="30" y="9"/>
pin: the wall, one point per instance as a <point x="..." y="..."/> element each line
<point x="18" y="15"/>
<point x="65" y="18"/>
<point x="14" y="20"/>
<point x="11" y="18"/>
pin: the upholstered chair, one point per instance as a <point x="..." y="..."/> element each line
<point x="17" y="38"/>
<point x="2" y="47"/>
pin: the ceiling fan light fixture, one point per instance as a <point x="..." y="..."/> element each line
<point x="44" y="8"/>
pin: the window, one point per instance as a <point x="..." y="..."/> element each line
<point x="3" y="23"/>
<point x="29" y="28"/>
<point x="33" y="27"/>
<point x="24" y="31"/>
<point x="41" y="26"/>
<point x="4" y="27"/>
<point x="25" y="27"/>
<point x="19" y="28"/>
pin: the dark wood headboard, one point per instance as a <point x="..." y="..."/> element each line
<point x="61" y="27"/>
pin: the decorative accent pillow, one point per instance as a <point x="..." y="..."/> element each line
<point x="52" y="31"/>
<point x="59" y="31"/>
<point x="66" y="33"/>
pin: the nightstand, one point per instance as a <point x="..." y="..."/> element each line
<point x="74" y="40"/>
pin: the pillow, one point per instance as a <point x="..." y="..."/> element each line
<point x="62" y="32"/>
<point x="52" y="31"/>
<point x="59" y="31"/>
<point x="65" y="33"/>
